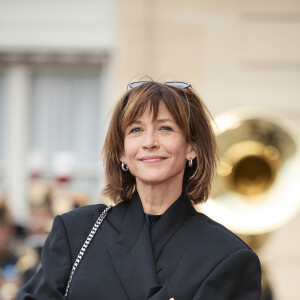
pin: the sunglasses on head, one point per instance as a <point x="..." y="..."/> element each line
<point x="179" y="84"/>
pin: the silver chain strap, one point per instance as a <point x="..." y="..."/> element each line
<point x="85" y="245"/>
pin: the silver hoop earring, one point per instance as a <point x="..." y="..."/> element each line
<point x="190" y="162"/>
<point x="124" y="167"/>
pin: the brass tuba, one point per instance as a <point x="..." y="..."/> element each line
<point x="256" y="188"/>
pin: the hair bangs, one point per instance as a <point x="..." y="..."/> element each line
<point x="150" y="96"/>
<point x="177" y="104"/>
<point x="138" y="101"/>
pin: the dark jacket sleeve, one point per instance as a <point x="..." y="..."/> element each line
<point x="236" y="277"/>
<point x="50" y="281"/>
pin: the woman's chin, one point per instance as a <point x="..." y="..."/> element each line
<point x="150" y="180"/>
<point x="156" y="179"/>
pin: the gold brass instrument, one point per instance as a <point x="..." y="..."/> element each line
<point x="256" y="187"/>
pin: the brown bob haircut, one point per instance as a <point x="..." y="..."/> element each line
<point x="190" y="114"/>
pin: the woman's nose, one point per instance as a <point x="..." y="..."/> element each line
<point x="150" y="140"/>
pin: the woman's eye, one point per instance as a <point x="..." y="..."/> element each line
<point x="135" y="130"/>
<point x="166" y="128"/>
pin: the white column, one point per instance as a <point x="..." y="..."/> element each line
<point x="17" y="88"/>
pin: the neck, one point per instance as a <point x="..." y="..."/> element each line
<point x="156" y="199"/>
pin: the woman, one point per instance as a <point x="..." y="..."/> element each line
<point x="159" y="157"/>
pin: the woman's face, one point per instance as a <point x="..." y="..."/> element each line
<point x="156" y="152"/>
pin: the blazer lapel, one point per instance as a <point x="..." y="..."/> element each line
<point x="132" y="254"/>
<point x="169" y="223"/>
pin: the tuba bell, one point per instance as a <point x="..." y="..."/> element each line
<point x="256" y="189"/>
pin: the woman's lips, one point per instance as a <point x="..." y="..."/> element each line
<point x="152" y="159"/>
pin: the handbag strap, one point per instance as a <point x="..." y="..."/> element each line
<point x="85" y="246"/>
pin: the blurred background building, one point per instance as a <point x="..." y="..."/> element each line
<point x="63" y="64"/>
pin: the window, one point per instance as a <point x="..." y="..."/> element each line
<point x="2" y="120"/>
<point x="65" y="113"/>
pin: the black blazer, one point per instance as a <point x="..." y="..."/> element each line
<point x="186" y="255"/>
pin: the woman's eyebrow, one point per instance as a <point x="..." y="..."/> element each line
<point x="156" y="121"/>
<point x="164" y="120"/>
<point x="137" y="122"/>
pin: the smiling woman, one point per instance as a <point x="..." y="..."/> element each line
<point x="159" y="157"/>
<point x="179" y="112"/>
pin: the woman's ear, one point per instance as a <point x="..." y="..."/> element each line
<point x="191" y="151"/>
<point x="122" y="158"/>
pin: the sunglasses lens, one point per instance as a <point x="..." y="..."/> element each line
<point x="136" y="83"/>
<point x="182" y="85"/>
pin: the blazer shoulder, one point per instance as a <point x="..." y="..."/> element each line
<point x="84" y="213"/>
<point x="219" y="235"/>
<point x="80" y="221"/>
<point x="86" y="216"/>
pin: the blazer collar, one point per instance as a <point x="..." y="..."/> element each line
<point x="134" y="220"/>
<point x="169" y="223"/>
<point x="164" y="228"/>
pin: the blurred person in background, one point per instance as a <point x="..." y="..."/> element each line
<point x="17" y="262"/>
<point x="45" y="201"/>
<point x="8" y="257"/>
<point x="159" y="155"/>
